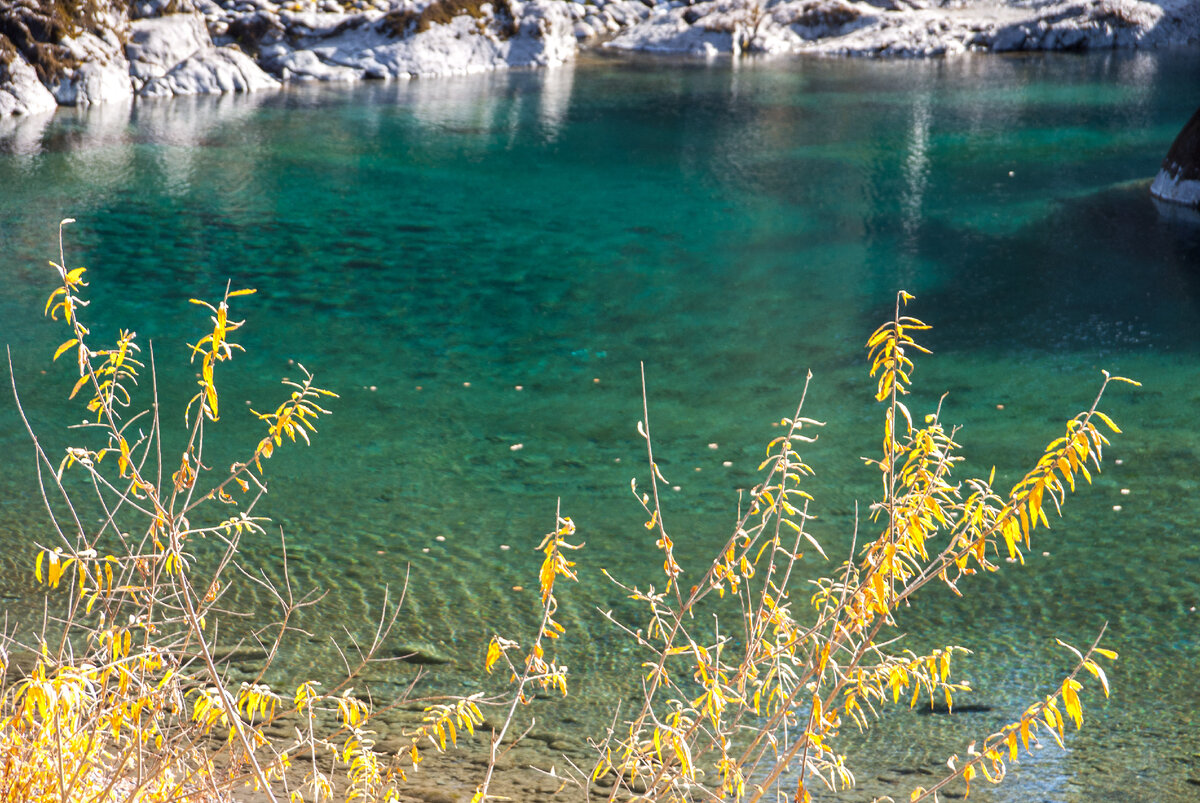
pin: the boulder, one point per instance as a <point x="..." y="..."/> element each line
<point x="94" y="82"/>
<point x="174" y="55"/>
<point x="453" y="37"/>
<point x="21" y="91"/>
<point x="1178" y="181"/>
<point x="304" y="65"/>
<point x="213" y="71"/>
<point x="77" y="58"/>
<point x="102" y="74"/>
<point x="157" y="45"/>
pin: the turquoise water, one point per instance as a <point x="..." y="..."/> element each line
<point x="426" y="248"/>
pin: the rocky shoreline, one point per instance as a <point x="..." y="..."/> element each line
<point x="50" y="56"/>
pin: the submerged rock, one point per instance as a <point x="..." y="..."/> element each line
<point x="420" y="653"/>
<point x="1178" y="181"/>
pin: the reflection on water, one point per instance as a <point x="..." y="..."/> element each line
<point x="429" y="247"/>
<point x="916" y="163"/>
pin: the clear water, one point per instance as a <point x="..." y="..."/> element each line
<point x="733" y="229"/>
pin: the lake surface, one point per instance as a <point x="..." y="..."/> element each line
<point x="483" y="262"/>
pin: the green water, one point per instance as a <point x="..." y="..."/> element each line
<point x="426" y="248"/>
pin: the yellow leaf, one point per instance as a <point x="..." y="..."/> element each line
<point x="65" y="347"/>
<point x="1110" y="654"/>
<point x="1095" y="669"/>
<point x="79" y="385"/>
<point x="53" y="296"/>
<point x="493" y="655"/>
<point x="1071" y="700"/>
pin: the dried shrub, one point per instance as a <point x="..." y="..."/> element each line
<point x="825" y="13"/>
<point x="1115" y="14"/>
<point x="7" y="53"/>
<point x="404" y="22"/>
<point x="250" y="30"/>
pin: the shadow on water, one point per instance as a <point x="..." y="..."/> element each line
<point x="1144" y="293"/>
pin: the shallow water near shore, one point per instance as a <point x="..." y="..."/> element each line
<point x="481" y="263"/>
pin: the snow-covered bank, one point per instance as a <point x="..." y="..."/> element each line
<point x="912" y="27"/>
<point x="155" y="48"/>
<point x="209" y="47"/>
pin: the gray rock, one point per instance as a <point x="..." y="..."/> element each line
<point x="103" y="73"/>
<point x="305" y="65"/>
<point x="20" y="90"/>
<point x="420" y="653"/>
<point x="539" y="34"/>
<point x="93" y="83"/>
<point x="1008" y="39"/>
<point x="1178" y="181"/>
<point x="157" y="46"/>
<point x="213" y="71"/>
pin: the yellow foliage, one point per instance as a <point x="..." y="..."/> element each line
<point x="725" y="713"/>
<point x="771" y="705"/>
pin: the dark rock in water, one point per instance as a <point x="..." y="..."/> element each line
<point x="940" y="709"/>
<point x="240" y="653"/>
<point x="1179" y="179"/>
<point x="425" y="654"/>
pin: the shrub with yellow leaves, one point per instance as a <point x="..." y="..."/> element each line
<point x="537" y="669"/>
<point x="760" y="714"/>
<point x="127" y="697"/>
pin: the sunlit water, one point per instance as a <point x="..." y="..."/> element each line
<point x="426" y="248"/>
